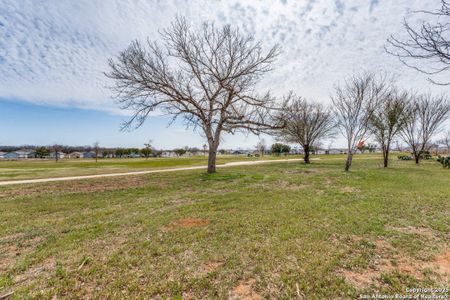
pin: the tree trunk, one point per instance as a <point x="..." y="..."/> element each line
<point x="306" y="157"/>
<point x="417" y="158"/>
<point x="212" y="158"/>
<point x="348" y="163"/>
<point x="385" y="156"/>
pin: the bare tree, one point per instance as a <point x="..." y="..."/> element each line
<point x="429" y="44"/>
<point x="207" y="77"/>
<point x="427" y="115"/>
<point x="96" y="150"/>
<point x="354" y="104"/>
<point x="306" y="124"/>
<point x="389" y="118"/>
<point x="57" y="151"/>
<point x="148" y="147"/>
<point x="261" y="146"/>
<point x="445" y="141"/>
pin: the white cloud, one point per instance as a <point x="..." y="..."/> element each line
<point x="55" y="52"/>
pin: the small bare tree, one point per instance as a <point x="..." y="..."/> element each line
<point x="427" y="115"/>
<point x="306" y="124"/>
<point x="57" y="149"/>
<point x="96" y="150"/>
<point x="148" y="148"/>
<point x="445" y="141"/>
<point x="207" y="77"/>
<point x="429" y="44"/>
<point x="388" y="119"/>
<point x="261" y="146"/>
<point x="354" y="104"/>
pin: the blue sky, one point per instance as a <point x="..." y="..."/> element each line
<point x="53" y="54"/>
<point x="26" y="123"/>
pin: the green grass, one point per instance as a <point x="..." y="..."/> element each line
<point x="278" y="231"/>
<point x="36" y="168"/>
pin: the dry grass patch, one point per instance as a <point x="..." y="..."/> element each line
<point x="286" y="185"/>
<point x="79" y="186"/>
<point x="186" y="223"/>
<point x="14" y="246"/>
<point x="349" y="189"/>
<point x="389" y="260"/>
<point x="42" y="270"/>
<point x="208" y="267"/>
<point x="422" y="231"/>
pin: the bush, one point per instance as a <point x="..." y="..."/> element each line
<point x="445" y="161"/>
<point x="279" y="148"/>
<point x="404" y="157"/>
<point x="425" y="155"/>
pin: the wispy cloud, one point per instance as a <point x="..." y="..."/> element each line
<point x="55" y="52"/>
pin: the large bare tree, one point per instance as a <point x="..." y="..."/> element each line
<point x="389" y="118"/>
<point x="354" y="104"/>
<point x="306" y="123"/>
<point x="427" y="47"/>
<point x="428" y="113"/>
<point x="206" y="76"/>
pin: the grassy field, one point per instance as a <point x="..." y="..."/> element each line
<point x="31" y="169"/>
<point x="281" y="230"/>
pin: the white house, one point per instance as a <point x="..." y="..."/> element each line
<point x="20" y="154"/>
<point x="75" y="155"/>
<point x="168" y="154"/>
<point x="59" y="153"/>
<point x="334" y="151"/>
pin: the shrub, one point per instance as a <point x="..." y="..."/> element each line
<point x="445" y="161"/>
<point x="404" y="157"/>
<point x="425" y="155"/>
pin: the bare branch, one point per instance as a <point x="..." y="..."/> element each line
<point x="429" y="44"/>
<point x="206" y="77"/>
<point x="306" y="123"/>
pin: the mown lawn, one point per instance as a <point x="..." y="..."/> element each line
<point x="44" y="168"/>
<point x="281" y="230"/>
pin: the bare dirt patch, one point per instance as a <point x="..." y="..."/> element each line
<point x="244" y="290"/>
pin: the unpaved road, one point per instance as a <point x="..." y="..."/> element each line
<point x="230" y="164"/>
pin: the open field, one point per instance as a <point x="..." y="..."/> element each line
<point x="280" y="230"/>
<point x="36" y="168"/>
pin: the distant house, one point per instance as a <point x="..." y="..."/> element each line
<point x="21" y="154"/>
<point x="2" y="154"/>
<point x="58" y="154"/>
<point x="134" y="155"/>
<point x="334" y="151"/>
<point x="90" y="154"/>
<point x="320" y="151"/>
<point x="75" y="155"/>
<point x="168" y="154"/>
<point x="237" y="152"/>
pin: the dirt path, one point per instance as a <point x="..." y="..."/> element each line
<point x="230" y="164"/>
